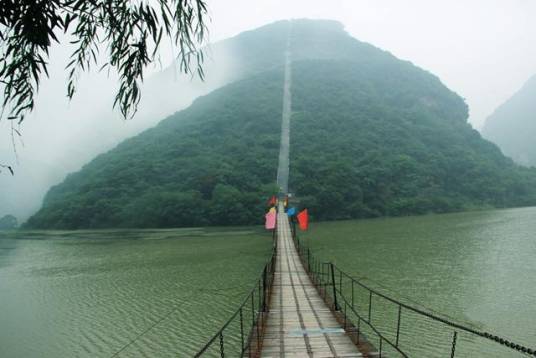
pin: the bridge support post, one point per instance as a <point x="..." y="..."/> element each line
<point x="334" y="286"/>
<point x="453" y="344"/>
<point x="264" y="284"/>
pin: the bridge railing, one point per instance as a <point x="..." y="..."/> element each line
<point x="241" y="335"/>
<point x="379" y="323"/>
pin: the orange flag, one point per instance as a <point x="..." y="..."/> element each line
<point x="303" y="219"/>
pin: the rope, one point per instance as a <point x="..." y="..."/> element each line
<point x="446" y="316"/>
<point x="147" y="330"/>
<point x="169" y="313"/>
<point x="396" y="293"/>
<point x="452" y="322"/>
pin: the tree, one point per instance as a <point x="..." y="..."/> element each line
<point x="8" y="222"/>
<point x="130" y="31"/>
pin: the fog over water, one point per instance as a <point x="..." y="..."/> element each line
<point x="483" y="50"/>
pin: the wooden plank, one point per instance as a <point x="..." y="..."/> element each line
<point x="299" y="323"/>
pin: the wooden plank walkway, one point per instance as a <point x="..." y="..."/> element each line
<point x="299" y="323"/>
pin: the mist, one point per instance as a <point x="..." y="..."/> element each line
<point x="60" y="136"/>
<point x="483" y="50"/>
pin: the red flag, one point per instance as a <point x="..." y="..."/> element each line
<point x="272" y="201"/>
<point x="303" y="219"/>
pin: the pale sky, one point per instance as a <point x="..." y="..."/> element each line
<point x="482" y="49"/>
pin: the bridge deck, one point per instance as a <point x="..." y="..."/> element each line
<point x="299" y="322"/>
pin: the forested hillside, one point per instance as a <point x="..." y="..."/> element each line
<point x="392" y="140"/>
<point x="212" y="164"/>
<point x="370" y="135"/>
<point x="513" y="125"/>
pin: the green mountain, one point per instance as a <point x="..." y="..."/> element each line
<point x="370" y="135"/>
<point x="513" y="125"/>
<point x="390" y="139"/>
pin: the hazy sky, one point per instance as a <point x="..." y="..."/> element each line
<point x="482" y="49"/>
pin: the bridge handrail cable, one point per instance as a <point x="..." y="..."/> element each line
<point x="262" y="287"/>
<point x="316" y="269"/>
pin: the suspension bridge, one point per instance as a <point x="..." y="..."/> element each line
<point x="298" y="323"/>
<point x="301" y="306"/>
<point x="295" y="322"/>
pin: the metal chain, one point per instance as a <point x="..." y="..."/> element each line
<point x="509" y="344"/>
<point x="222" y="353"/>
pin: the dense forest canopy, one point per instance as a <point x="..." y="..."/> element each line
<point x="370" y="135"/>
<point x="513" y="125"/>
<point x="375" y="140"/>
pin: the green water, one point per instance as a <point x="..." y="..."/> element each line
<point x="478" y="268"/>
<point x="87" y="294"/>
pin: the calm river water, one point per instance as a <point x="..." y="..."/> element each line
<point x="477" y="268"/>
<point x="88" y="294"/>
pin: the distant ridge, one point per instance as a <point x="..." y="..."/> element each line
<point x="513" y="125"/>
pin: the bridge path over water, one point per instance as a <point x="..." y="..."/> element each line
<point x="299" y="323"/>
